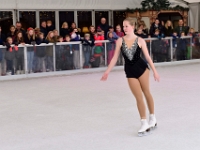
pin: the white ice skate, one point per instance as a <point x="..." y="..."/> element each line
<point x="145" y="128"/>
<point x="152" y="121"/>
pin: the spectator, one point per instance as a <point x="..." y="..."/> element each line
<point x="181" y="28"/>
<point x="40" y="52"/>
<point x="111" y="29"/>
<point x="55" y="32"/>
<point x="50" y="26"/>
<point x="75" y="36"/>
<point x="30" y="39"/>
<point x="37" y="31"/>
<point x="119" y="31"/>
<point x="64" y="29"/>
<point x="111" y="46"/>
<point x="69" y="54"/>
<point x="10" y="55"/>
<point x="19" y="28"/>
<point x="43" y="28"/>
<point x="20" y="53"/>
<point x="92" y="32"/>
<point x="99" y="36"/>
<point x="2" y="37"/>
<point x="181" y="47"/>
<point x="49" y="52"/>
<point x="174" y="42"/>
<point x="73" y="26"/>
<point x="59" y="54"/>
<point x="11" y="33"/>
<point x="87" y="48"/>
<point x="142" y="26"/>
<point x="140" y="33"/>
<point x="120" y="34"/>
<point x="104" y="26"/>
<point x="154" y="26"/>
<point x="168" y="28"/>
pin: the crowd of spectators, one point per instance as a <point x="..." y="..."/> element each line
<point x="40" y="58"/>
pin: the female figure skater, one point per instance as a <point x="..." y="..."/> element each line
<point x="137" y="72"/>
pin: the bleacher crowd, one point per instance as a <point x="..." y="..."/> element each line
<point x="40" y="58"/>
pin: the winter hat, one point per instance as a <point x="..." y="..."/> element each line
<point x="29" y="29"/>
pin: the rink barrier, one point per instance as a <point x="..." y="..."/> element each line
<point x="89" y="70"/>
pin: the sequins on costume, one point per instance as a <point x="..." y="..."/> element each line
<point x="134" y="65"/>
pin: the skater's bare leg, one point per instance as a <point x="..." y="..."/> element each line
<point x="136" y="89"/>
<point x="144" y="82"/>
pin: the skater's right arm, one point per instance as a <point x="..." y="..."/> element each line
<point x="114" y="59"/>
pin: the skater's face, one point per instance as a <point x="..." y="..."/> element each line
<point x="128" y="28"/>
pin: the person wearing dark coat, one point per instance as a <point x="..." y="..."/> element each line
<point x="2" y="37"/>
<point x="43" y="28"/>
<point x="181" y="28"/>
<point x="154" y="26"/>
<point x="104" y="26"/>
<point x="64" y="30"/>
<point x="40" y="52"/>
<point x="19" y="29"/>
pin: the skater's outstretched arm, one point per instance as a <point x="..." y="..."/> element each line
<point x="142" y="44"/>
<point x="114" y="59"/>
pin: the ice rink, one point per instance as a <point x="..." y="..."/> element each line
<point x="80" y="112"/>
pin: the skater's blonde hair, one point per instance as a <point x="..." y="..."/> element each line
<point x="130" y="20"/>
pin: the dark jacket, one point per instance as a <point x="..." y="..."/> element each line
<point x="2" y="38"/>
<point x="11" y="35"/>
<point x="142" y="35"/>
<point x="169" y="31"/>
<point x="21" y="30"/>
<point x="44" y="30"/>
<point x="154" y="27"/>
<point x="181" y="44"/>
<point x="30" y="41"/>
<point x="87" y="45"/>
<point x="41" y="50"/>
<point x="77" y="38"/>
<point x="9" y="55"/>
<point x="20" y="53"/>
<point x="50" y="28"/>
<point x="180" y="29"/>
<point x="105" y="28"/>
<point x="64" y="32"/>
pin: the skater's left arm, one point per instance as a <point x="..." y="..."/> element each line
<point x="143" y="46"/>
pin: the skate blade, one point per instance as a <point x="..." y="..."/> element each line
<point x="145" y="133"/>
<point x="153" y="128"/>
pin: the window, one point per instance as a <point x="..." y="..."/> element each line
<point x="118" y="17"/>
<point x="6" y="20"/>
<point x="47" y="15"/>
<point x="99" y="15"/>
<point x="28" y="19"/>
<point x="84" y="19"/>
<point x="66" y="16"/>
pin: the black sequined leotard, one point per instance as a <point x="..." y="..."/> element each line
<point x="134" y="65"/>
